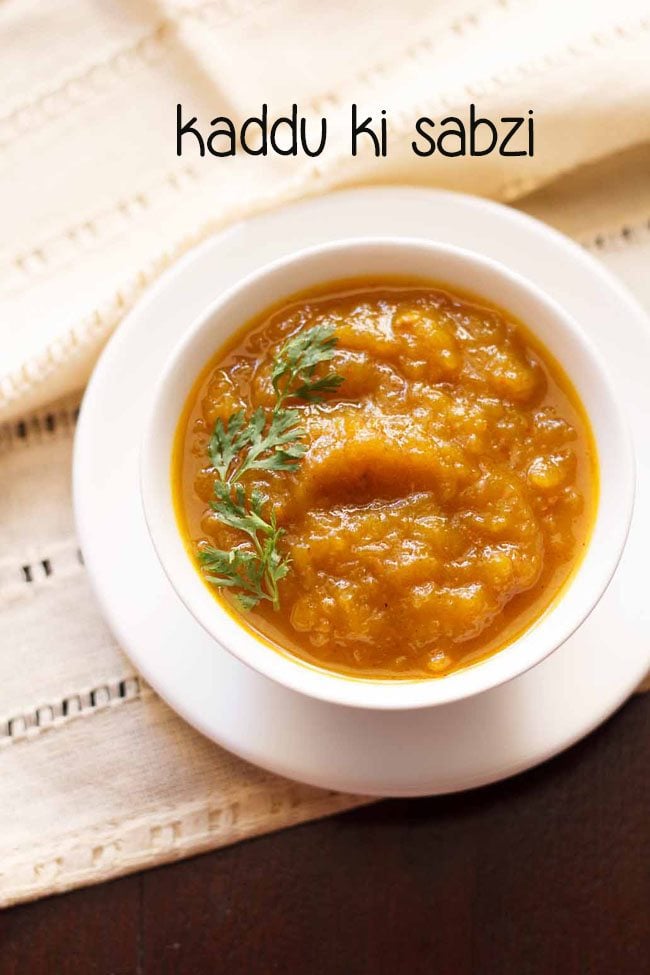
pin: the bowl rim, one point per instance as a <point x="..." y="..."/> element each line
<point x="240" y="640"/>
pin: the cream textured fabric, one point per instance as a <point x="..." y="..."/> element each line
<point x="95" y="202"/>
<point x="99" y="777"/>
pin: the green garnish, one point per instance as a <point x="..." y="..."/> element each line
<point x="297" y="361"/>
<point x="270" y="440"/>
<point x="255" y="570"/>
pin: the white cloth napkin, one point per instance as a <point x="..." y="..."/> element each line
<point x="95" y="202"/>
<point x="99" y="777"/>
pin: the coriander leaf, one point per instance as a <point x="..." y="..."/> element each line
<point x="249" y="601"/>
<point x="227" y="441"/>
<point x="232" y="511"/>
<point x="237" y="568"/>
<point x="255" y="572"/>
<point x="267" y="440"/>
<point x="297" y="361"/>
<point x="312" y="391"/>
<point x="277" y="449"/>
<point x="228" y="563"/>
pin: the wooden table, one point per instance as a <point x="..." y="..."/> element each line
<point x="547" y="874"/>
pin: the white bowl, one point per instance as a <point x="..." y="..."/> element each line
<point x="457" y="268"/>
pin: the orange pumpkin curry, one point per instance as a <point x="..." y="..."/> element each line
<point x="434" y="492"/>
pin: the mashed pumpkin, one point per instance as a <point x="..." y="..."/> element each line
<point x="447" y="492"/>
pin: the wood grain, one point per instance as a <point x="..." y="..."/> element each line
<point x="546" y="873"/>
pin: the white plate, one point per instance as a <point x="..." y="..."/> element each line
<point x="376" y="753"/>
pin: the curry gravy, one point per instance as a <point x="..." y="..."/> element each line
<point x="448" y="490"/>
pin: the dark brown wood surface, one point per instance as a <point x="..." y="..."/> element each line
<point x="547" y="874"/>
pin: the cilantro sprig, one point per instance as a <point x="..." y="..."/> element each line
<point x="253" y="571"/>
<point x="296" y="362"/>
<point x="271" y="440"/>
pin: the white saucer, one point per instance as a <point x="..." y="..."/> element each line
<point x="376" y="753"/>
